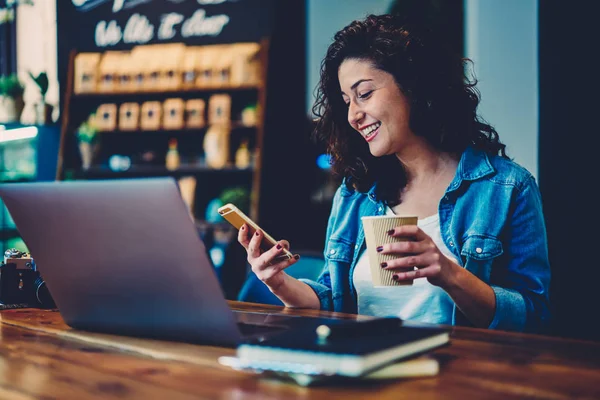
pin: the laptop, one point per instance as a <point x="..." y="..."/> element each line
<point x="125" y="257"/>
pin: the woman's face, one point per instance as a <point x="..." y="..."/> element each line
<point x="377" y="109"/>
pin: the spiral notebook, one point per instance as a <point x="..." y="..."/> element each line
<point x="346" y="349"/>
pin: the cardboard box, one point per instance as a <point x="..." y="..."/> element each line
<point x="189" y="68"/>
<point x="86" y="72"/>
<point x="194" y="113"/>
<point x="207" y="62"/>
<point x="172" y="56"/>
<point x="173" y="113"/>
<point x="106" y="117"/>
<point x="110" y="66"/>
<point x="126" y="74"/>
<point x="129" y="116"/>
<point x="150" y="116"/>
<point x="222" y="67"/>
<point x="147" y="63"/>
<point x="138" y="68"/>
<point x="245" y="68"/>
<point x="219" y="109"/>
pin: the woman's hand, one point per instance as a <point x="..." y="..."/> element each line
<point x="418" y="250"/>
<point x="263" y="265"/>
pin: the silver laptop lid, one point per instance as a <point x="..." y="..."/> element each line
<point x="123" y="256"/>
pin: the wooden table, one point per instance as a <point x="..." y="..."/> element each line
<point x="42" y="358"/>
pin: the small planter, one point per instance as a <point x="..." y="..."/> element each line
<point x="11" y="109"/>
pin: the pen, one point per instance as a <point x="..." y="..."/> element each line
<point x="358" y="329"/>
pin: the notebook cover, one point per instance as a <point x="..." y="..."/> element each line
<point x="353" y="350"/>
<point x="307" y="340"/>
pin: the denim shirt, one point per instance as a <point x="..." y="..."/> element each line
<point x="490" y="218"/>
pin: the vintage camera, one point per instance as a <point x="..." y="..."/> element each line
<point x="21" y="284"/>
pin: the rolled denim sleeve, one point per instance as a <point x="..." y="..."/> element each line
<point x="323" y="293"/>
<point x="511" y="313"/>
<point x="522" y="300"/>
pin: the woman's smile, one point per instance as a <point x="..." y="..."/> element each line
<point x="370" y="131"/>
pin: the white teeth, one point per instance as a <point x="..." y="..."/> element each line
<point x="370" y="129"/>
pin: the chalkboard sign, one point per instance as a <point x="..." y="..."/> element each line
<point x="101" y="25"/>
<point x="97" y="25"/>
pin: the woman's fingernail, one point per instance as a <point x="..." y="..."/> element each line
<point x="383" y="264"/>
<point x="390" y="232"/>
<point x="256" y="233"/>
<point x="278" y="247"/>
<point x="243" y="227"/>
<point x="379" y="249"/>
<point x="395" y="277"/>
<point x="297" y="257"/>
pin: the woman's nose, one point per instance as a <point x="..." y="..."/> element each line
<point x="355" y="115"/>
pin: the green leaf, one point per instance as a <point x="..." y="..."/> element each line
<point x="11" y="86"/>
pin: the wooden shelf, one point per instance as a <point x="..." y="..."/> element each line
<point x="184" y="131"/>
<point x="162" y="93"/>
<point x="149" y="171"/>
<point x="137" y="143"/>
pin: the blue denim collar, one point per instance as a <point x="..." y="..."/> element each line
<point x="474" y="164"/>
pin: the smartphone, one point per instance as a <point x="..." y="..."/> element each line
<point x="237" y="218"/>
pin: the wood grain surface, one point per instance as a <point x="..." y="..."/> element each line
<point x="42" y="358"/>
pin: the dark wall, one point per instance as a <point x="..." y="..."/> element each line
<point x="284" y="197"/>
<point x="569" y="142"/>
<point x="443" y="16"/>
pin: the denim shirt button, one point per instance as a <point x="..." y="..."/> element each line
<point x="451" y="243"/>
<point x="479" y="250"/>
<point x="331" y="251"/>
<point x="356" y="247"/>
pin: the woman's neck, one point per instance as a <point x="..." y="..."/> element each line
<point x="428" y="175"/>
<point x="424" y="163"/>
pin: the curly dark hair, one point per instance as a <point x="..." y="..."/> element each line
<point x="443" y="100"/>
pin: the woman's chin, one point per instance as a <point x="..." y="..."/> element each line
<point x="376" y="151"/>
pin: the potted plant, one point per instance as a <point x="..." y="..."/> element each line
<point x="11" y="98"/>
<point x="87" y="135"/>
<point x="43" y="111"/>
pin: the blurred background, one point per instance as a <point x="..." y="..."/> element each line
<point x="218" y="95"/>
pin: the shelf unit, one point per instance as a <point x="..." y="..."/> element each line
<point x="181" y="92"/>
<point x="147" y="148"/>
<point x="150" y="170"/>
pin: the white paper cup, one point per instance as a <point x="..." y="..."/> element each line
<point x="376" y="234"/>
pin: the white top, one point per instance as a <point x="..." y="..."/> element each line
<point x="421" y="301"/>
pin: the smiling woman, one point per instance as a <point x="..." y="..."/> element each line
<point x="373" y="97"/>
<point x="398" y="115"/>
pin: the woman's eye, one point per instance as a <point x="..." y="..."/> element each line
<point x="365" y="95"/>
